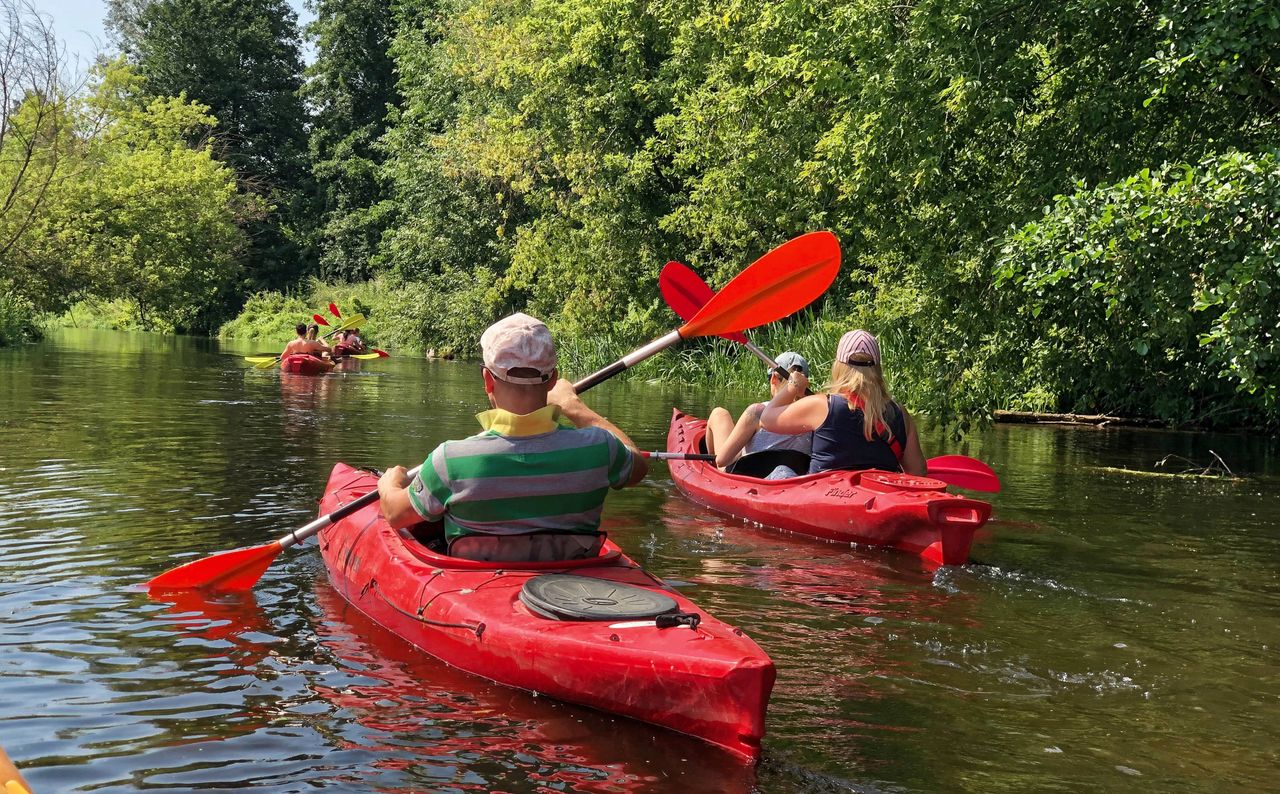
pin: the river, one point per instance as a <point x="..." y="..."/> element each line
<point x="1114" y="631"/>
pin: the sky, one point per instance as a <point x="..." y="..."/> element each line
<point x="79" y="24"/>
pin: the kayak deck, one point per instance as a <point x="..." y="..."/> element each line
<point x="871" y="507"/>
<point x="710" y="681"/>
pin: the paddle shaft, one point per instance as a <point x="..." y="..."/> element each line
<point x="676" y="456"/>
<point x="629" y="360"/>
<point x="302" y="533"/>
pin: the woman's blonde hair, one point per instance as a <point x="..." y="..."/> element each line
<point x="867" y="383"/>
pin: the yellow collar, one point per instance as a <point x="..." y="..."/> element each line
<point x="543" y="420"/>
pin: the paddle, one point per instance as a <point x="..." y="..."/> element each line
<point x="685" y="292"/>
<point x="320" y="320"/>
<point x="676" y="456"/>
<point x="778" y="284"/>
<point x="807" y="265"/>
<point x="963" y="471"/>
<point x="333" y="309"/>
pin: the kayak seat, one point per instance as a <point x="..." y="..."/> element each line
<point x="561" y="596"/>
<point x="428" y="533"/>
<point x="760" y="464"/>
<point x="528" y="547"/>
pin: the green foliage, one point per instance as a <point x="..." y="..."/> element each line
<point x="482" y="156"/>
<point x="136" y="212"/>
<point x="270" y="317"/>
<point x="351" y="86"/>
<point x="17" y="319"/>
<point x="240" y="59"/>
<point x="115" y="314"/>
<point x="1173" y="273"/>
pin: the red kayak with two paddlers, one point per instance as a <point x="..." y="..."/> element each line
<point x="875" y="508"/>
<point x="600" y="631"/>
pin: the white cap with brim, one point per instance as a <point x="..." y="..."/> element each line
<point x="518" y="349"/>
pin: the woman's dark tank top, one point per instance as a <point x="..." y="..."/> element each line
<point x="841" y="442"/>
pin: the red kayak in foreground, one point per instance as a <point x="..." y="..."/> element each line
<point x="507" y="622"/>
<point x="871" y="507"/>
<point x="305" y="364"/>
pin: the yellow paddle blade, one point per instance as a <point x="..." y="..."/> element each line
<point x="268" y="364"/>
<point x="355" y="321"/>
<point x="364" y="356"/>
<point x="260" y="359"/>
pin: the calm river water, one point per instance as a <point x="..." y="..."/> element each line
<point x="1113" y="632"/>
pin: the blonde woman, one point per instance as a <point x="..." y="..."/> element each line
<point x="855" y="424"/>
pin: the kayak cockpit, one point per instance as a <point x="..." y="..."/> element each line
<point x="609" y="555"/>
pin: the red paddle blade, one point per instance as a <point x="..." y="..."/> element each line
<point x="319" y="319"/>
<point x="381" y="353"/>
<point x="238" y="569"/>
<point x="778" y="284"/>
<point x="686" y="293"/>
<point x="333" y="309"/>
<point x="963" y="471"/>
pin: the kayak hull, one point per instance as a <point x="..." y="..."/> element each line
<point x="304" y="364"/>
<point x="871" y="507"/>
<point x="711" y="682"/>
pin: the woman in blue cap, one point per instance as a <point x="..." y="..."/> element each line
<point x="855" y="424"/>
<point x="733" y="443"/>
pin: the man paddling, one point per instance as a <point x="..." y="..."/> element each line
<point x="532" y="486"/>
<point x="302" y="344"/>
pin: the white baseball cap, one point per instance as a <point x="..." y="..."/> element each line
<point x="521" y="343"/>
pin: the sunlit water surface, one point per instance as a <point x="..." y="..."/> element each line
<point x="1114" y="631"/>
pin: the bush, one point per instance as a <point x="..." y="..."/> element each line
<point x="1158" y="295"/>
<point x="17" y="320"/>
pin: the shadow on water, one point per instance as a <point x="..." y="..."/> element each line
<point x="1117" y="630"/>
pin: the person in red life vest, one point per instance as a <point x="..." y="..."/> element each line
<point x="855" y="423"/>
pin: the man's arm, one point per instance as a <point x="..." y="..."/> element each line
<point x="394" y="502"/>
<point x="575" y="410"/>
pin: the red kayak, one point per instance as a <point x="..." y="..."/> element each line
<point x="524" y="625"/>
<point x="871" y="507"/>
<point x="305" y="364"/>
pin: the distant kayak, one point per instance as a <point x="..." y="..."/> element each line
<point x="871" y="507"/>
<point x="600" y="632"/>
<point x="304" y="364"/>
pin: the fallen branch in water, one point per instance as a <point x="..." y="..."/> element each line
<point x="1096" y="420"/>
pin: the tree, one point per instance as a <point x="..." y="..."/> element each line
<point x="240" y="58"/>
<point x="35" y="125"/>
<point x="351" y="87"/>
<point x="142" y="215"/>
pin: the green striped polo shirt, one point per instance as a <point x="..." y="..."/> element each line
<point x="525" y="473"/>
